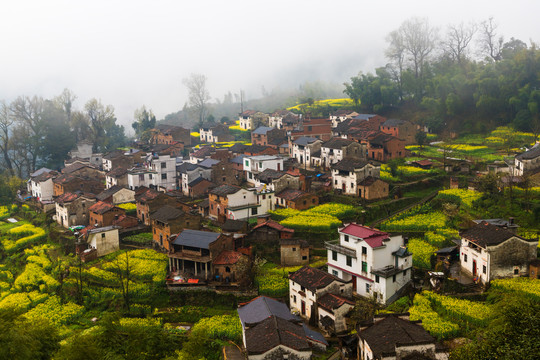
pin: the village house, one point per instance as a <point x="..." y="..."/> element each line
<point x="118" y="158"/>
<point x="257" y="150"/>
<point x="189" y="172"/>
<point x="402" y="129"/>
<point x="527" y="161"/>
<point x="224" y="172"/>
<point x="117" y="195"/>
<point x="72" y="209"/>
<point x="267" y="231"/>
<point x="41" y="185"/>
<point x="193" y="251"/>
<point x="303" y="148"/>
<point x="372" y="188"/>
<point x="283" y="119"/>
<point x="219" y="201"/>
<point x="246" y="119"/>
<point x="337" y="149"/>
<point x="308" y="285"/>
<point x="200" y="187"/>
<point x="73" y="183"/>
<point x="141" y="176"/>
<point x="164" y="167"/>
<point x="319" y="128"/>
<point x="254" y="165"/>
<point x="117" y="177"/>
<point x="296" y="199"/>
<point x="168" y="220"/>
<point x="384" y="147"/>
<point x="348" y="173"/>
<point x="267" y="136"/>
<point x="294" y="252"/>
<point x="379" y="265"/>
<point x="403" y="339"/>
<point x="232" y="202"/>
<point x="490" y="252"/>
<point x="270" y="331"/>
<point x="230" y="266"/>
<point x="338" y="116"/>
<point x="104" y="239"/>
<point x="84" y="170"/>
<point x="168" y="134"/>
<point x="150" y="200"/>
<point x="203" y="153"/>
<point x="212" y="133"/>
<point x="277" y="180"/>
<point x="103" y="214"/>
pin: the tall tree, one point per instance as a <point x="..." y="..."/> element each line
<point x="144" y="121"/>
<point x="106" y="134"/>
<point x="6" y="123"/>
<point x="491" y="43"/>
<point x="198" y="95"/>
<point x="457" y="41"/>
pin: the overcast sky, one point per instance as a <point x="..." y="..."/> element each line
<point x="130" y="53"/>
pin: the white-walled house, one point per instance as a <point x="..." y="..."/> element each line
<point x="339" y="116"/>
<point x="527" y="161"/>
<point x="105" y="239"/>
<point x="41" y="184"/>
<point x="187" y="172"/>
<point x="246" y="119"/>
<point x="247" y="203"/>
<point x="489" y="252"/>
<point x="378" y="264"/>
<point x="141" y="176"/>
<point x="165" y="168"/>
<point x="337" y="149"/>
<point x="254" y="165"/>
<point x="307" y="286"/>
<point x="348" y="173"/>
<point x="304" y="148"/>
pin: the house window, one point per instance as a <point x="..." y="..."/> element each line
<point x="335" y="182"/>
<point x="141" y="177"/>
<point x="377" y="279"/>
<point x="293" y="249"/>
<point x="335" y="273"/>
<point x="163" y="165"/>
<point x="247" y="163"/>
<point x="254" y="211"/>
<point x="349" y="261"/>
<point x="302" y="288"/>
<point x="294" y="298"/>
<point x="313" y="201"/>
<point x="516" y="271"/>
<point x="404" y="273"/>
<point x="346" y="238"/>
<point x="367" y="288"/>
<point x="364" y="250"/>
<point x="364" y="267"/>
<point x="394" y="278"/>
<point x="102" y="235"/>
<point x="227" y="269"/>
<point x="334" y="255"/>
<point x="465" y="258"/>
<point x="304" y="257"/>
<point x="164" y="176"/>
<point x="484" y="269"/>
<point x="305" y="202"/>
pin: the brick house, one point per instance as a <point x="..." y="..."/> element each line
<point x="117" y="195"/>
<point x="296" y="199"/>
<point x="227" y="266"/>
<point x="193" y="252"/>
<point x="72" y="209"/>
<point x="307" y="286"/>
<point x="168" y="220"/>
<point x="218" y="200"/>
<point x="266" y="136"/>
<point x="103" y="214"/>
<point x="225" y="172"/>
<point x="384" y="147"/>
<point x="268" y="230"/>
<point x="73" y="183"/>
<point x="199" y="187"/>
<point x="294" y="252"/>
<point x="319" y="128"/>
<point x="402" y="129"/>
<point x="116" y="177"/>
<point x="372" y="188"/>
<point x="203" y="153"/>
<point x="167" y="134"/>
<point x="278" y="180"/>
<point x="337" y="149"/>
<point x="148" y="201"/>
<point x="489" y="252"/>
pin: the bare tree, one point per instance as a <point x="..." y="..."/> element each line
<point x="419" y="40"/>
<point x="100" y="118"/>
<point x="396" y="54"/>
<point x="123" y="274"/>
<point x="458" y="39"/>
<point x="65" y="101"/>
<point x="6" y="122"/>
<point x="28" y="113"/>
<point x="490" y="43"/>
<point x="198" y="95"/>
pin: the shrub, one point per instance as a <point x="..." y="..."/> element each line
<point x="341" y="211"/>
<point x="431" y="321"/>
<point x="422" y="252"/>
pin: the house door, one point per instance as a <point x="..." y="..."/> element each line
<point x="303" y="307"/>
<point x="343" y="187"/>
<point x="474" y="267"/>
<point x="354" y="283"/>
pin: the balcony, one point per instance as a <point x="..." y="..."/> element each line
<point x="334" y="246"/>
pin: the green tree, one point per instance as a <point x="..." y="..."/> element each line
<point x="144" y="121"/>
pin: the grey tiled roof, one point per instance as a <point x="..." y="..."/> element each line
<point x="196" y="238"/>
<point x="261" y="308"/>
